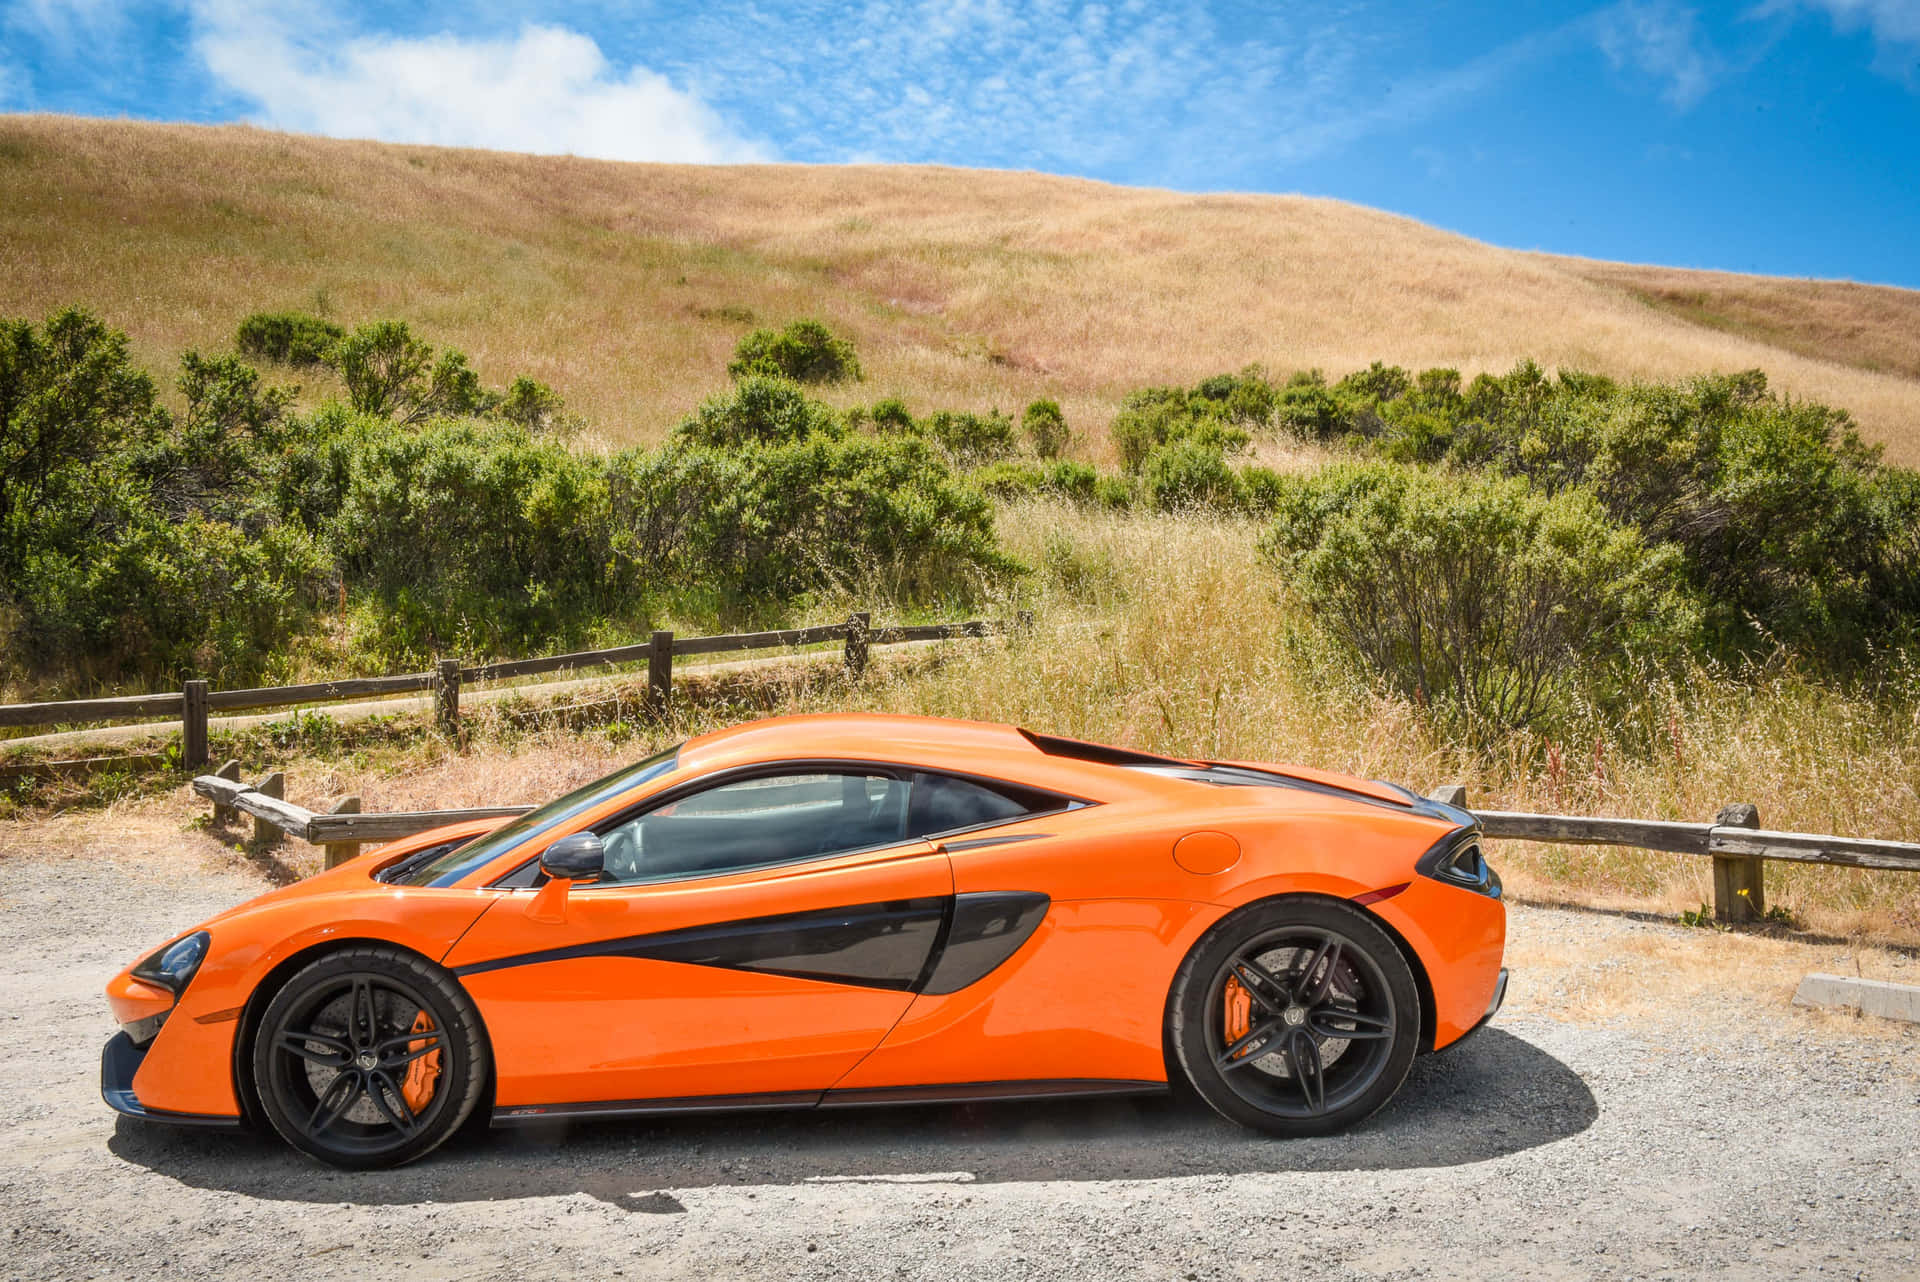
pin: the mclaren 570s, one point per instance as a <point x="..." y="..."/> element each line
<point x="830" y="912"/>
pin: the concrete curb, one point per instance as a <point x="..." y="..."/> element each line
<point x="1870" y="996"/>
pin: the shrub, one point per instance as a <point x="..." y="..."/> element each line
<point x="1070" y="480"/>
<point x="888" y="416"/>
<point x="1158" y="416"/>
<point x="476" y="534"/>
<point x="393" y="374"/>
<point x="800" y="516"/>
<point x="1114" y="493"/>
<point x="1008" y="480"/>
<point x="1189" y="475"/>
<point x="759" y="410"/>
<point x="1309" y="409"/>
<point x="214" y="456"/>
<point x="1261" y="489"/>
<point x="534" y="407"/>
<point x="291" y="338"/>
<point x="70" y="401"/>
<point x="805" y="351"/>
<point x="1046" y="429"/>
<point x="970" y="440"/>
<point x="1478" y="594"/>
<point x="1077" y="482"/>
<point x="1246" y="399"/>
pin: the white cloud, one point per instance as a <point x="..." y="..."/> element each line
<point x="1890" y="21"/>
<point x="1662" y="42"/>
<point x="546" y="89"/>
<point x="67" y="24"/>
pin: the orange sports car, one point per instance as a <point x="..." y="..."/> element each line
<point x="835" y="911"/>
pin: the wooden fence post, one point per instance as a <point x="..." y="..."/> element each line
<point x="1739" y="881"/>
<point x="859" y="632"/>
<point x="193" y="724"/>
<point x="224" y="815"/>
<point x="338" y="852"/>
<point x="660" y="673"/>
<point x="265" y="832"/>
<point x="446" y="695"/>
<point x="1450" y="794"/>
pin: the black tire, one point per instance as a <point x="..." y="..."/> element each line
<point x="369" y="1057"/>
<point x="1311" y="970"/>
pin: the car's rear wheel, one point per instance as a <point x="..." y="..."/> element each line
<point x="369" y="1057"/>
<point x="1295" y="1016"/>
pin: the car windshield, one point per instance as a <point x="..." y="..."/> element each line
<point x="462" y="860"/>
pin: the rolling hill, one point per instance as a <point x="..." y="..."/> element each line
<point x="626" y="286"/>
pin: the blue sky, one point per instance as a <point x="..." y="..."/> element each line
<point x="1778" y="136"/>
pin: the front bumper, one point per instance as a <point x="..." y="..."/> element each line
<point x="118" y="1063"/>
<point x="1493" y="1008"/>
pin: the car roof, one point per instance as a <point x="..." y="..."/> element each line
<point x="857" y="735"/>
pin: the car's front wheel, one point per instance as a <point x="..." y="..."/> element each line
<point x="369" y="1057"/>
<point x="1295" y="1016"/>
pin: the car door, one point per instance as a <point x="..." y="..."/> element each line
<point x="755" y="935"/>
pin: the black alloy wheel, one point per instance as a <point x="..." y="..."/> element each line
<point x="369" y="1057"/>
<point x="1295" y="1016"/>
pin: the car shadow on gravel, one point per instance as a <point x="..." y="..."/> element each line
<point x="1493" y="1096"/>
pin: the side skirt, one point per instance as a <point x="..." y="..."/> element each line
<point x="951" y="1093"/>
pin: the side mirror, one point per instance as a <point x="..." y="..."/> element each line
<point x="579" y="857"/>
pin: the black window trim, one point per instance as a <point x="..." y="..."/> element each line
<point x="764" y="769"/>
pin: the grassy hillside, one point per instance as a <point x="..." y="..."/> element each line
<point x="625" y="286"/>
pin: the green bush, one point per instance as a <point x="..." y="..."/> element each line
<point x="476" y="535"/>
<point x="535" y="407"/>
<point x="1159" y="416"/>
<point x="759" y="410"/>
<point x="800" y="516"/>
<point x="885" y="417"/>
<point x="1115" y="493"/>
<point x="1189" y="476"/>
<point x="291" y="338"/>
<point x="1261" y="489"/>
<point x="805" y="351"/>
<point x="391" y="373"/>
<point x="970" y="440"/>
<point x="1062" y="478"/>
<point x="1477" y="594"/>
<point x="1247" y="399"/>
<point x="1046" y="429"/>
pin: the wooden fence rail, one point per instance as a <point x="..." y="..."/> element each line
<point x="192" y="704"/>
<point x="1736" y="843"/>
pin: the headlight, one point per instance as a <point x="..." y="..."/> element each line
<point x="174" y="966"/>
<point x="1457" y="860"/>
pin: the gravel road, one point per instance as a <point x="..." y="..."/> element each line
<point x="1765" y="1144"/>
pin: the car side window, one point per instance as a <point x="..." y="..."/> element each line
<point x="753" y="823"/>
<point x="944" y="803"/>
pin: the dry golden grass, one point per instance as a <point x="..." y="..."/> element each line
<point x="1870" y="326"/>
<point x="626" y="286"/>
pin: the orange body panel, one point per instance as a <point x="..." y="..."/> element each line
<point x="1083" y="997"/>
<point x="1108" y="961"/>
<point x="134" y="999"/>
<point x="623" y="1028"/>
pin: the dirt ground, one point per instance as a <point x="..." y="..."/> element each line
<point x="1649" y="1105"/>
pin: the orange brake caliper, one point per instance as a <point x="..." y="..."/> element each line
<point x="1239" y="1010"/>
<point x="423" y="1074"/>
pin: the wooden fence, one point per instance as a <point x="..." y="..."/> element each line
<point x="1737" y="844"/>
<point x="195" y="701"/>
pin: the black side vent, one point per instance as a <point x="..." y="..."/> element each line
<point x="1080" y="750"/>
